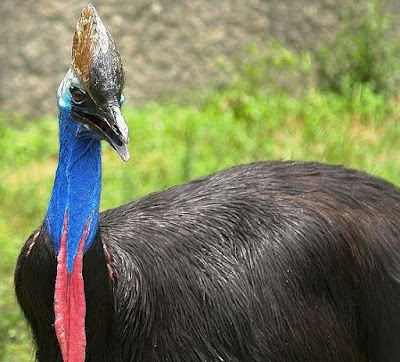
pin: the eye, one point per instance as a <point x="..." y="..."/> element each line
<point x="122" y="99"/>
<point x="78" y="96"/>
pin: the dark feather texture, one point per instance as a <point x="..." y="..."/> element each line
<point x="264" y="262"/>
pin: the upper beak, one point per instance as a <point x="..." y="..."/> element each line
<point x="120" y="130"/>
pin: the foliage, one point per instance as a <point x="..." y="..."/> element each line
<point x="365" y="50"/>
<point x="272" y="69"/>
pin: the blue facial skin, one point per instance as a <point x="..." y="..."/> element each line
<point x="77" y="183"/>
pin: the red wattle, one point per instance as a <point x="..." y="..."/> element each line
<point x="69" y="300"/>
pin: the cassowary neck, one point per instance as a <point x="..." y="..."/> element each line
<point x="76" y="192"/>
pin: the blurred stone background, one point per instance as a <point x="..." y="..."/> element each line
<point x="168" y="47"/>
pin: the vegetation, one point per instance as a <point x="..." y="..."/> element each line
<point x="171" y="143"/>
<point x="363" y="50"/>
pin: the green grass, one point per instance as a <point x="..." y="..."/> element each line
<point x="171" y="144"/>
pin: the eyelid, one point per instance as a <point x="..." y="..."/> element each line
<point x="77" y="88"/>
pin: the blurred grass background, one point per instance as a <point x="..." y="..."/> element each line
<point x="346" y="111"/>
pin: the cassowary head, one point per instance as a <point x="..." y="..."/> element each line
<point x="91" y="91"/>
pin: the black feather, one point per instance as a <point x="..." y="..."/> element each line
<point x="277" y="261"/>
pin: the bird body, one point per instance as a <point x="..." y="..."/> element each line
<point x="271" y="261"/>
<point x="262" y="262"/>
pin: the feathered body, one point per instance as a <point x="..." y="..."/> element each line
<point x="264" y="262"/>
<point x="276" y="261"/>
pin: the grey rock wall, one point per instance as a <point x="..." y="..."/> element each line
<point x="168" y="47"/>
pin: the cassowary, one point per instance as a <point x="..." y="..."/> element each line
<point x="274" y="261"/>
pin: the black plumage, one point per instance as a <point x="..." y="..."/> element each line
<point x="274" y="261"/>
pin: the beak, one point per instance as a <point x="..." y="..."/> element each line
<point x="120" y="138"/>
<point x="108" y="123"/>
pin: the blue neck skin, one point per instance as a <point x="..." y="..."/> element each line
<point x="76" y="188"/>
